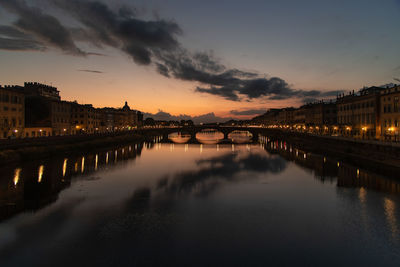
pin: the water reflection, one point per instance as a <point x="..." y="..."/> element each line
<point x="178" y="203"/>
<point x="40" y="173"/>
<point x="25" y="193"/>
<point x="64" y="171"/>
<point x="328" y="169"/>
<point x="390" y="211"/>
<point x="240" y="137"/>
<point x="209" y="136"/>
<point x="213" y="171"/>
<point x="16" y="176"/>
<point x="179" y="138"/>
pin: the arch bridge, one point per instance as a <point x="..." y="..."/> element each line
<point x="193" y="130"/>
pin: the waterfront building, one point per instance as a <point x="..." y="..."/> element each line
<point x="107" y="116"/>
<point x="43" y="90"/>
<point x="120" y="119"/>
<point x="12" y="111"/>
<point x="286" y="116"/>
<point x="45" y="113"/>
<point x="85" y="119"/>
<point x="359" y="113"/>
<point x="320" y="114"/>
<point x="390" y="113"/>
<point x="47" y="117"/>
<point x="299" y="116"/>
<point x="270" y="118"/>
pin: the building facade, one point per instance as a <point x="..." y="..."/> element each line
<point x="390" y="113"/>
<point x="12" y="112"/>
<point x="85" y="119"/>
<point x="359" y="114"/>
<point x="43" y="90"/>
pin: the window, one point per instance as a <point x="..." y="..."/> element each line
<point x="6" y="98"/>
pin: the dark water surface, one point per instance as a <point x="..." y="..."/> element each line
<point x="264" y="204"/>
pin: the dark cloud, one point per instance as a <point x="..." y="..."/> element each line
<point x="43" y="26"/>
<point x="14" y="39"/>
<point x="92" y="71"/>
<point x="248" y="112"/>
<point x="20" y="45"/>
<point x="149" y="42"/>
<point x="138" y="38"/>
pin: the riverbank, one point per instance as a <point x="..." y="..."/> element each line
<point x="28" y="149"/>
<point x="376" y="156"/>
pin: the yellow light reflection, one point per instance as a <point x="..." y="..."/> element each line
<point x="106" y="158"/>
<point x="64" y="170"/>
<point x="40" y="173"/>
<point x="17" y="173"/>
<point x="83" y="165"/>
<point x="96" y="162"/>
<point x="362" y="195"/>
<point x="390" y="208"/>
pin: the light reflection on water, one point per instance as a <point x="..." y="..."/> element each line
<point x="186" y="204"/>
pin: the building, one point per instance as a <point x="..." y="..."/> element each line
<point x="43" y="90"/>
<point x="270" y="118"/>
<point x="286" y="116"/>
<point x="45" y="113"/>
<point x="299" y="116"/>
<point x="12" y="112"/>
<point x="47" y="117"/>
<point x="358" y="114"/>
<point x="390" y="113"/>
<point x="107" y="118"/>
<point x="85" y="119"/>
<point x="321" y="117"/>
<point x="120" y="119"/>
<point x="36" y="110"/>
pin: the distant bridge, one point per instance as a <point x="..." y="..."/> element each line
<point x="193" y="130"/>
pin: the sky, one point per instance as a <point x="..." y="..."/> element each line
<point x="205" y="59"/>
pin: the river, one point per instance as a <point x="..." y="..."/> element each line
<point x="264" y="203"/>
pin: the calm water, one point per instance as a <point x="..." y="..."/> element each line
<point x="158" y="204"/>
